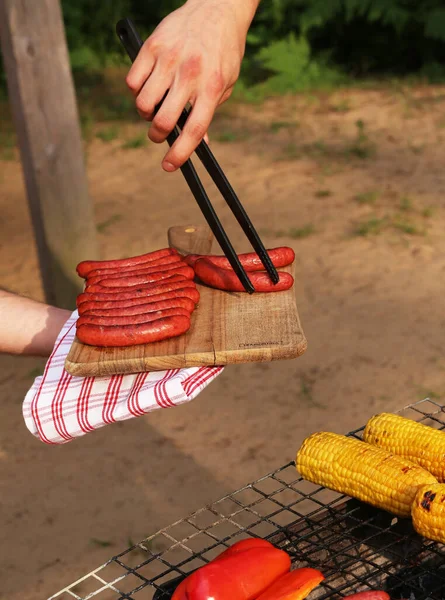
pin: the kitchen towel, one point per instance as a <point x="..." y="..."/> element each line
<point x="60" y="407"/>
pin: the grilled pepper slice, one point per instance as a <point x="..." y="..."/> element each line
<point x="370" y="474"/>
<point x="240" y="576"/>
<point x="295" y="585"/>
<point x="417" y="442"/>
<point x="428" y="512"/>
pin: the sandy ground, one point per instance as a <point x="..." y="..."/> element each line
<point x="364" y="208"/>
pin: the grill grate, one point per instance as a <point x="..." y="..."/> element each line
<point x="357" y="547"/>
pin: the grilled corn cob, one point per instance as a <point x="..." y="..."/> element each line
<point x="419" y="443"/>
<point x="352" y="467"/>
<point x="428" y="512"/>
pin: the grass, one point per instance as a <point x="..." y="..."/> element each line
<point x="277" y="126"/>
<point x="102" y="227"/>
<point x="367" y="197"/>
<point x="138" y="141"/>
<point x="86" y="124"/>
<point x="406" y="204"/>
<point x="297" y="233"/>
<point x="342" y="106"/>
<point x="108" y="134"/>
<point x="7" y="146"/>
<point x="101" y="543"/>
<point x="230" y="136"/>
<point x="371" y="226"/>
<point x="407" y="227"/>
<point x="35" y="372"/>
<point x="323" y="193"/>
<point x="362" y="148"/>
<point x="428" y="212"/>
<point x="291" y="152"/>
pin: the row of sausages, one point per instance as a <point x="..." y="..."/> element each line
<point x="151" y="297"/>
<point x="136" y="300"/>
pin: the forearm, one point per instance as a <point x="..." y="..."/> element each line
<point x="243" y="9"/>
<point x="28" y="327"/>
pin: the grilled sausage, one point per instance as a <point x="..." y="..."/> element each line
<point x="132" y="335"/>
<point x="280" y="257"/>
<point x="86" y="266"/>
<point x="161" y="262"/>
<point x="184" y="287"/>
<point x="138" y="280"/>
<point x="97" y="309"/>
<point x="111" y="321"/>
<point x="172" y="268"/>
<point x="227" y="280"/>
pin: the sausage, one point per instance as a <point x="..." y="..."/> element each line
<point x="149" y="294"/>
<point x="226" y="279"/>
<point x="173" y="267"/>
<point x="132" y="335"/>
<point x="86" y="266"/>
<point x="138" y="280"/>
<point x="280" y="257"/>
<point x="131" y="319"/>
<point x="173" y="296"/>
<point x="137" y="309"/>
<point x="166" y="260"/>
<point x="92" y="289"/>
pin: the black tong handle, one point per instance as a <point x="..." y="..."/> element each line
<point x="132" y="42"/>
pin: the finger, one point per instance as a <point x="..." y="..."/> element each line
<point x="226" y="95"/>
<point x="167" y="117"/>
<point x="207" y="139"/>
<point x="192" y="134"/>
<point x="142" y="68"/>
<point x="153" y="91"/>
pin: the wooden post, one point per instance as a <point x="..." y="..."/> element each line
<point x="43" y="101"/>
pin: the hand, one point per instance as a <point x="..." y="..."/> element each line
<point x="196" y="54"/>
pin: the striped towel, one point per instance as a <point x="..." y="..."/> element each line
<point x="60" y="407"/>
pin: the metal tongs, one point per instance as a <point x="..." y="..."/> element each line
<point x="132" y="43"/>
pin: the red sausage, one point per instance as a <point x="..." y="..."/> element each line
<point x="111" y="321"/>
<point x="147" y="294"/>
<point x="174" y="268"/>
<point x="132" y="335"/>
<point x="137" y="309"/>
<point x="92" y="289"/>
<point x="172" y="298"/>
<point x="86" y="266"/>
<point x="166" y="260"/>
<point x="92" y="301"/>
<point x="225" y="279"/>
<point x="138" y="280"/>
<point x="371" y="595"/>
<point x="280" y="257"/>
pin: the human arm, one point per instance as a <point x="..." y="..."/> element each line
<point x="196" y="54"/>
<point x="28" y="327"/>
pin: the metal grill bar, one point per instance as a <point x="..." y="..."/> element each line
<point x="357" y="547"/>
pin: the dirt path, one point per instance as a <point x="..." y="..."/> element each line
<point x="355" y="183"/>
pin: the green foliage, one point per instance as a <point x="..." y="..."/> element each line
<point x="292" y="45"/>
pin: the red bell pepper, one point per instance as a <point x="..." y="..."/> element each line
<point x="371" y="595"/>
<point x="295" y="585"/>
<point x="241" y="576"/>
<point x="243" y="545"/>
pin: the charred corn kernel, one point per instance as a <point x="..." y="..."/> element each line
<point x="357" y="469"/>
<point x="428" y="512"/>
<point x="419" y="443"/>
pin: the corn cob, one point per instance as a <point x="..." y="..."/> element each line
<point x="357" y="469"/>
<point x="428" y="512"/>
<point x="421" y="444"/>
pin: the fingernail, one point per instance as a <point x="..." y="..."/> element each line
<point x="167" y="166"/>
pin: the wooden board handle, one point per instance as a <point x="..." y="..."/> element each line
<point x="191" y="239"/>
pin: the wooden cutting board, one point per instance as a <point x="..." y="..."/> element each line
<point x="227" y="327"/>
